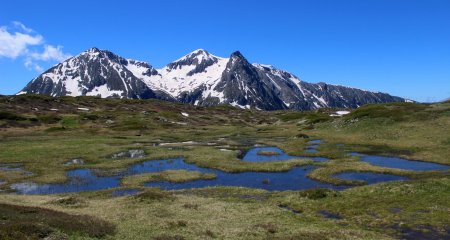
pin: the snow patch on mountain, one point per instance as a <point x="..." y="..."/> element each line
<point x="198" y="78"/>
<point x="104" y="92"/>
<point x="177" y="80"/>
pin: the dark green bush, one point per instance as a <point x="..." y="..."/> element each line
<point x="49" y="118"/>
<point x="11" y="116"/>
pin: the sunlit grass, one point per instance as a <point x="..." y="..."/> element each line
<point x="43" y="141"/>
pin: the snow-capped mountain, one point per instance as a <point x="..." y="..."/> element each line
<point x="196" y="70"/>
<point x="94" y="73"/>
<point x="198" y="78"/>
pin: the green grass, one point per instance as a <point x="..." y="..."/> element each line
<point x="44" y="140"/>
<point x="173" y="176"/>
<point x="155" y="214"/>
<point x="383" y="207"/>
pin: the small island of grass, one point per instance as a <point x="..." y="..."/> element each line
<point x="268" y="153"/>
<point x="173" y="176"/>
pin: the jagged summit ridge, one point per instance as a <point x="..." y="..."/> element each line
<point x="198" y="78"/>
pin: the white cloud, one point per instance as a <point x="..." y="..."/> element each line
<point x="51" y="53"/>
<point x="32" y="65"/>
<point x="15" y="44"/>
<point x="21" y="41"/>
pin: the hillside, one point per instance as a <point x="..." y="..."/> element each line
<point x="41" y="137"/>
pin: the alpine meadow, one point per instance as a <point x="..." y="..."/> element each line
<point x="315" y="120"/>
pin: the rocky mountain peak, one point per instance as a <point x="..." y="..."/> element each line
<point x="96" y="54"/>
<point x="238" y="60"/>
<point x="199" y="52"/>
<point x="93" y="50"/>
<point x="198" y="78"/>
<point x="197" y="61"/>
<point x="196" y="57"/>
<point x="237" y="55"/>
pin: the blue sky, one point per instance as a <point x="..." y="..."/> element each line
<point x="397" y="46"/>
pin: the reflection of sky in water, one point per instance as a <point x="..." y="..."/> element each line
<point x="369" y="177"/>
<point x="253" y="156"/>
<point x="401" y="163"/>
<point x="294" y="179"/>
<point x="14" y="167"/>
<point x="312" y="146"/>
<point x="311" y="150"/>
<point x="86" y="180"/>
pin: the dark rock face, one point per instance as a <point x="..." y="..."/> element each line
<point x="192" y="97"/>
<point x="268" y="88"/>
<point x="346" y="97"/>
<point x="242" y="84"/>
<point x="42" y="85"/>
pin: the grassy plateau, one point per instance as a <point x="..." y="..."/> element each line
<point x="40" y="136"/>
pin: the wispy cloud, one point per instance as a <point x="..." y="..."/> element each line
<point x="51" y="53"/>
<point x="19" y="41"/>
<point x="23" y="27"/>
<point x="30" y="64"/>
<point x="15" y="44"/>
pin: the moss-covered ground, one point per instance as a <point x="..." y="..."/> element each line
<point x="41" y="134"/>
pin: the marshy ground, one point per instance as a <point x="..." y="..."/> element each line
<point x="42" y="138"/>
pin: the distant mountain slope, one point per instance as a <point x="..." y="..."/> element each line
<point x="198" y="78"/>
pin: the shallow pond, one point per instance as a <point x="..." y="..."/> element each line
<point x="316" y="141"/>
<point x="369" y="177"/>
<point x="330" y="215"/>
<point x="294" y="179"/>
<point x="14" y="167"/>
<point x="311" y="150"/>
<point x="312" y="146"/>
<point x="401" y="163"/>
<point x="289" y="209"/>
<point x="87" y="180"/>
<point x="257" y="155"/>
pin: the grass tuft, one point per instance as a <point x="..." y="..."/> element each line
<point x="70" y="201"/>
<point x="153" y="194"/>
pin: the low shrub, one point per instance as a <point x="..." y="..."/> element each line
<point x="11" y="116"/>
<point x="48" y="118"/>
<point x="20" y="222"/>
